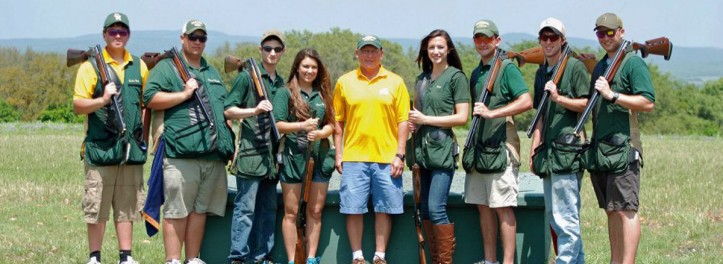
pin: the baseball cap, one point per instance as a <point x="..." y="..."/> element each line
<point x="193" y="25"/>
<point x="116" y="17"/>
<point x="274" y="33"/>
<point x="553" y="24"/>
<point x="369" y="40"/>
<point x="609" y="20"/>
<point x="486" y="27"/>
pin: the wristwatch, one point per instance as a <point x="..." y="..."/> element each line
<point x="616" y="95"/>
<point x="400" y="156"/>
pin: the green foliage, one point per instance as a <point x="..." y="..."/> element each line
<point x="8" y="113"/>
<point x="38" y="86"/>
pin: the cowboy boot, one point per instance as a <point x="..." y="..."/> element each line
<point x="431" y="240"/>
<point x="445" y="241"/>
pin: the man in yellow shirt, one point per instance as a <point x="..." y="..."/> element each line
<point x="113" y="159"/>
<point x="372" y="106"/>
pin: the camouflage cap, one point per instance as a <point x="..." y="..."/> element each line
<point x="193" y="25"/>
<point x="274" y="33"/>
<point x="369" y="40"/>
<point x="116" y="17"/>
<point x="609" y="20"/>
<point x="486" y="27"/>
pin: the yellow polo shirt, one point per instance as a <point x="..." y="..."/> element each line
<point x="87" y="78"/>
<point x="371" y="111"/>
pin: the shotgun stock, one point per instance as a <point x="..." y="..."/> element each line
<point x="232" y="63"/>
<point x="151" y="59"/>
<point x="262" y="94"/>
<point x="531" y="55"/>
<point x="658" y="46"/>
<point x="75" y="56"/>
<point x="556" y="76"/>
<point x="417" y="188"/>
<point x="487" y="86"/>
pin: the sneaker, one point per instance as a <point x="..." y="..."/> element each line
<point x="195" y="261"/>
<point x="378" y="260"/>
<point x="93" y="260"/>
<point x="358" y="261"/>
<point x="315" y="260"/>
<point x="173" y="261"/>
<point x="128" y="261"/>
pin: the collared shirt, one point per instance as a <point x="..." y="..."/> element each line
<point x="371" y="111"/>
<point x="87" y="77"/>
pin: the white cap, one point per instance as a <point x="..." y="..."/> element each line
<point x="554" y="24"/>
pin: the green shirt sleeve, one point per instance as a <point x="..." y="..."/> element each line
<point x="460" y="88"/>
<point x="580" y="80"/>
<point x="239" y="91"/>
<point x="513" y="85"/>
<point x="281" y="105"/>
<point x="639" y="78"/>
<point x="159" y="80"/>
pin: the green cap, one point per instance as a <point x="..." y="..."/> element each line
<point x="369" y="40"/>
<point x="486" y="27"/>
<point x="193" y="25"/>
<point x="116" y="17"/>
<point x="609" y="20"/>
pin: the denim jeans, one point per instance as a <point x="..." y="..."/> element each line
<point x="562" y="207"/>
<point x="254" y="219"/>
<point x="435" y="190"/>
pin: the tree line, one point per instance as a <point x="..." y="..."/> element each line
<point x="37" y="86"/>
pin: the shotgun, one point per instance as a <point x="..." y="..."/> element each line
<point x="300" y="255"/>
<point x="151" y="59"/>
<point x="232" y="63"/>
<point x="104" y="74"/>
<point x="487" y="86"/>
<point x="659" y="46"/>
<point x="262" y="94"/>
<point x="417" y="177"/>
<point x="556" y="76"/>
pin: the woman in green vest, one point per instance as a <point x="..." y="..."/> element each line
<point x="304" y="113"/>
<point x="441" y="102"/>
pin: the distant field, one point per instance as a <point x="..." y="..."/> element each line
<point x="41" y="186"/>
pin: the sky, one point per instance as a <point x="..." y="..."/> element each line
<point x="685" y="23"/>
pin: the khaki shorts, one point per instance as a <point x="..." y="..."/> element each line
<point x="119" y="186"/>
<point x="194" y="185"/>
<point x="495" y="189"/>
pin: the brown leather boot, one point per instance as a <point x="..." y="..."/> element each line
<point x="431" y="239"/>
<point x="445" y="241"/>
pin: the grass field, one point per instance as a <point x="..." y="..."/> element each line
<point x="41" y="187"/>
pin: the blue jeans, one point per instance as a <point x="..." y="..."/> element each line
<point x="562" y="207"/>
<point x="435" y="190"/>
<point x="254" y="219"/>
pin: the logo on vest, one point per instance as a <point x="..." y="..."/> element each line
<point x="384" y="91"/>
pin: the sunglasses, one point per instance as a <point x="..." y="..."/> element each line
<point x="482" y="39"/>
<point x="603" y="33"/>
<point x="200" y="38"/>
<point x="118" y="32"/>
<point x="276" y="49"/>
<point x="551" y="38"/>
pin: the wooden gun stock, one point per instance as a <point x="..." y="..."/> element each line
<point x="75" y="56"/>
<point x="531" y="55"/>
<point x="658" y="46"/>
<point x="300" y="252"/>
<point x="232" y="63"/>
<point x="152" y="58"/>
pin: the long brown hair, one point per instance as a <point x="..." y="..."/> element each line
<point x="297" y="105"/>
<point x="423" y="60"/>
